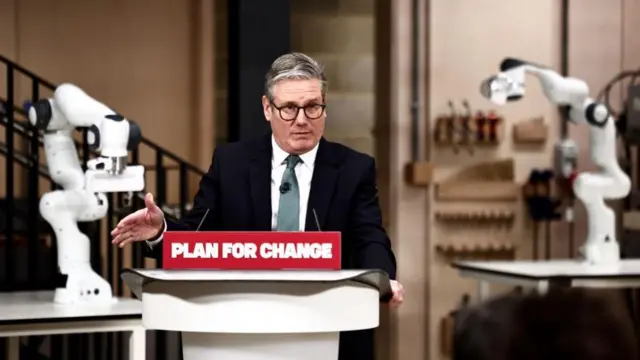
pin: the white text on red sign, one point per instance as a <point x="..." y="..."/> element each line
<point x="252" y="250"/>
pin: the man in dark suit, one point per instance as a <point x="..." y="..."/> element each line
<point x="282" y="181"/>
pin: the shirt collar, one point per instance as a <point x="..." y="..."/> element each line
<point x="279" y="155"/>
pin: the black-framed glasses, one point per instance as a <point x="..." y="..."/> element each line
<point x="290" y="112"/>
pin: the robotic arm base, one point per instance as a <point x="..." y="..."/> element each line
<point x="606" y="254"/>
<point x="84" y="287"/>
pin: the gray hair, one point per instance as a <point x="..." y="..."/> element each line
<point x="294" y="66"/>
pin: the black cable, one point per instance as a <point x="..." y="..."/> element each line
<point x="613" y="81"/>
<point x="603" y="95"/>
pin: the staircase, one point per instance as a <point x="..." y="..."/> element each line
<point x="27" y="252"/>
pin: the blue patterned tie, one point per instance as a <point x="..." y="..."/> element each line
<point x="289" y="208"/>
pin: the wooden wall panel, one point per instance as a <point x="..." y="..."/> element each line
<point x="408" y="206"/>
<point x="340" y="34"/>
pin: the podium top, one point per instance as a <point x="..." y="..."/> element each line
<point x="137" y="278"/>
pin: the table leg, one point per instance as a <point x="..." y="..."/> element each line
<point x="13" y="348"/>
<point x="542" y="287"/>
<point x="138" y="344"/>
<point x="483" y="290"/>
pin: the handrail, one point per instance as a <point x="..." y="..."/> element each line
<point x="25" y="161"/>
<point x="30" y="74"/>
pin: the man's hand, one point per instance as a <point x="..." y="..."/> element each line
<point x="143" y="224"/>
<point x="398" y="294"/>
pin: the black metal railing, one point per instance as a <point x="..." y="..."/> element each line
<point x="31" y="264"/>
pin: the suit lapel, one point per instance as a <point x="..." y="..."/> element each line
<point x="323" y="183"/>
<point x="260" y="183"/>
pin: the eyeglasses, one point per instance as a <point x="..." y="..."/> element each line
<point x="290" y="112"/>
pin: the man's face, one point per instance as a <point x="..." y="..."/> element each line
<point x="295" y="131"/>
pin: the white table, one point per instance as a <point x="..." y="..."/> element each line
<point x="35" y="314"/>
<point x="543" y="274"/>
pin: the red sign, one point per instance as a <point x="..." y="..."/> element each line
<point x="251" y="250"/>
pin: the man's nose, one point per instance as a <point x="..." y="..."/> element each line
<point x="301" y="119"/>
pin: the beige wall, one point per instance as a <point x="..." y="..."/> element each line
<point x="340" y="34"/>
<point x="148" y="59"/>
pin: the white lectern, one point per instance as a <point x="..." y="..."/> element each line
<point x="259" y="315"/>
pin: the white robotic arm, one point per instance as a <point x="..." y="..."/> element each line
<point x="109" y="133"/>
<point x="591" y="189"/>
<point x="82" y="196"/>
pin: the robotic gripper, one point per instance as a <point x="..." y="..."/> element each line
<point x="82" y="196"/>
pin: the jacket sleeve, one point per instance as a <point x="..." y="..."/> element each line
<point x="372" y="247"/>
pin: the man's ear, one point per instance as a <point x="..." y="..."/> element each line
<point x="266" y="108"/>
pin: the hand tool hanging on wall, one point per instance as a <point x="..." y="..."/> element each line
<point x="481" y="122"/>
<point x="456" y="129"/>
<point x="492" y="126"/>
<point x="487" y="126"/>
<point x="453" y="128"/>
<point x="542" y="206"/>
<point x="467" y="127"/>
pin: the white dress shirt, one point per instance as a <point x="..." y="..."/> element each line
<point x="304" y="173"/>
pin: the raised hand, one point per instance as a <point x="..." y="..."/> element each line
<point x="144" y="224"/>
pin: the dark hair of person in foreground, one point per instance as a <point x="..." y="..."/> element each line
<point x="564" y="324"/>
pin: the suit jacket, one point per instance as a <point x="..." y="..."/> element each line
<point x="237" y="191"/>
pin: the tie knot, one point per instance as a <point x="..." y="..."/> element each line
<point x="292" y="161"/>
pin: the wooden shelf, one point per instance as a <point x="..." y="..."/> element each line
<point x="488" y="215"/>
<point x="475" y="249"/>
<point x="419" y="173"/>
<point x="463" y="145"/>
<point x="478" y="191"/>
